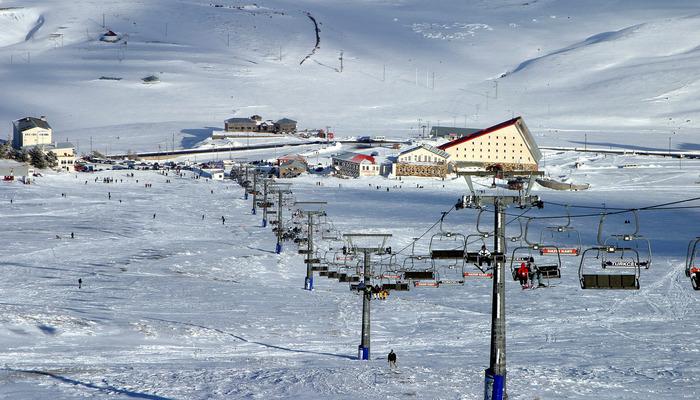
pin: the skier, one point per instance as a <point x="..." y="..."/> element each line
<point x="484" y="255"/>
<point x="522" y="274"/>
<point x="392" y="359"/>
<point x="223" y="220"/>
<point x="154" y="215"/>
<point x="533" y="271"/>
<point x="80" y="283"/>
<point x="72" y="235"/>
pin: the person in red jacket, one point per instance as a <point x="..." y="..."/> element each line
<point x="523" y="275"/>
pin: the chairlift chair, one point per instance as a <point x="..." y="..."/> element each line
<point x="611" y="267"/>
<point x="631" y="238"/>
<point x="473" y="256"/>
<point x="692" y="268"/>
<point x="545" y="264"/>
<point x="447" y="251"/>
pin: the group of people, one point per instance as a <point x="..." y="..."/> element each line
<point x="373" y="291"/>
<point x="527" y="271"/>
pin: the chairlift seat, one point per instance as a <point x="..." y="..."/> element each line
<point x="319" y="268"/>
<point x="478" y="274"/>
<point x="615" y="282"/>
<point x="549" y="271"/>
<point x="312" y="261"/>
<point x="450" y="282"/>
<point x="472" y="256"/>
<point x="303" y="251"/>
<point x="323" y="273"/>
<point x="419" y="275"/>
<point x="398" y="286"/>
<point x="446" y="254"/>
<point x="332" y="274"/>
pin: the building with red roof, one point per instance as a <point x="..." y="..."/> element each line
<point x="508" y="146"/>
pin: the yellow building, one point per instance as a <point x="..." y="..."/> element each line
<point x="30" y="131"/>
<point x="508" y="146"/>
<point x="65" y="155"/>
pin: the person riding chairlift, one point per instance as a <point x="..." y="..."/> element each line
<point x="523" y="274"/>
<point x="484" y="255"/>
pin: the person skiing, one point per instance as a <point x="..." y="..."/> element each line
<point x="80" y="283"/>
<point x="223" y="220"/>
<point x="484" y="255"/>
<point x="534" y="272"/>
<point x="522" y="274"/>
<point x="392" y="359"/>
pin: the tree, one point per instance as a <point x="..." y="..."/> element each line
<point x="5" y="150"/>
<point x="20" y="155"/>
<point x="38" y="159"/>
<point x="51" y="159"/>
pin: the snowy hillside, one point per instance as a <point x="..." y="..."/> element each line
<point x="603" y="67"/>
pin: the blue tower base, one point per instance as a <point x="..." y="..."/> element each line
<point x="264" y="223"/>
<point x="245" y="196"/>
<point x="278" y="248"/>
<point x="309" y="283"/>
<point x="362" y="353"/>
<point x="253" y="211"/>
<point x="493" y="385"/>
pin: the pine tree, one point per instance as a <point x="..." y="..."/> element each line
<point x="51" y="159"/>
<point x="38" y="159"/>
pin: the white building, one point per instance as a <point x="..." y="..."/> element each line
<point x="354" y="165"/>
<point x="31" y="131"/>
<point x="65" y="155"/>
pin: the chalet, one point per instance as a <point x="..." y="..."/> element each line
<point x="30" y="131"/>
<point x="286" y="125"/>
<point x="354" y="165"/>
<point x="291" y="166"/>
<point x="450" y="132"/>
<point x="423" y="160"/>
<point x="65" y="155"/>
<point x="508" y="146"/>
<point x="241" y="125"/>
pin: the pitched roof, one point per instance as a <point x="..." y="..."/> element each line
<point x="518" y="121"/>
<point x="434" y="150"/>
<point x="354" y="157"/>
<point x="291" y="157"/>
<point x="31" y="122"/>
<point x="286" y="121"/>
<point x="444" y="131"/>
<point x="239" y="120"/>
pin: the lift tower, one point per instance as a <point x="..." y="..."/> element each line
<point x="366" y="244"/>
<point x="280" y="189"/>
<point x="495" y="375"/>
<point x="310" y="209"/>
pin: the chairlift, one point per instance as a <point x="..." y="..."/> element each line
<point x="545" y="264"/>
<point x="611" y="267"/>
<point x="390" y="275"/>
<point x="632" y="239"/>
<point x="692" y="269"/>
<point x="447" y="251"/>
<point x="474" y="257"/>
<point x="565" y="238"/>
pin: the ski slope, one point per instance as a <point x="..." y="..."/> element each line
<point x="178" y="306"/>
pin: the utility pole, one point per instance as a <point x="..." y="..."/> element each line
<point x="384" y="73"/>
<point x="341" y="60"/>
<point x="495" y="375"/>
<point x="366" y="250"/>
<point x="245" y="193"/>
